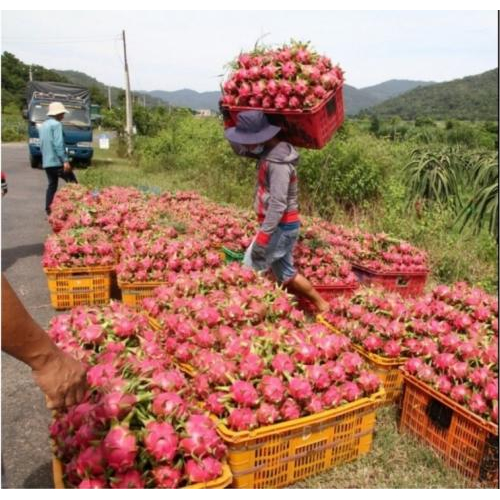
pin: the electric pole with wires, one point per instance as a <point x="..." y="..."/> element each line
<point x="128" y="100"/>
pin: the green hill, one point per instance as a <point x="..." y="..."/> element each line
<point x="470" y="98"/>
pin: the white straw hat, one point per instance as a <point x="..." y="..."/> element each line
<point x="56" y="108"/>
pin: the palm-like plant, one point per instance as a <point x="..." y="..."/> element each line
<point x="434" y="175"/>
<point x="482" y="209"/>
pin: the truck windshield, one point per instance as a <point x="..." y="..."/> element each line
<point x="75" y="116"/>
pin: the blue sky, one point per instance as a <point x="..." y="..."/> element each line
<point x="169" y="50"/>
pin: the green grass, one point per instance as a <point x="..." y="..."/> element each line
<point x="396" y="460"/>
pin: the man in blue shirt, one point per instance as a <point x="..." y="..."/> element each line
<point x="55" y="160"/>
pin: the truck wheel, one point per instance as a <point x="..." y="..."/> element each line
<point x="35" y="161"/>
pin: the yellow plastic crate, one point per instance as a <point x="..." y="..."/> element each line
<point x="134" y="293"/>
<point x="387" y="369"/>
<point x="217" y="484"/>
<point x="277" y="455"/>
<point x="79" y="286"/>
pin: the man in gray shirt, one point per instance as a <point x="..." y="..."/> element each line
<point x="276" y="202"/>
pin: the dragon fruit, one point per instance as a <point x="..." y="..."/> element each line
<point x="272" y="389"/>
<point x="244" y="393"/>
<point x="204" y="470"/>
<point x="161" y="441"/>
<point x="300" y="389"/>
<point x="290" y="410"/>
<point x="267" y="414"/>
<point x="128" y="480"/>
<point x="242" y="419"/>
<point x="120" y="448"/>
<point x="166" y="476"/>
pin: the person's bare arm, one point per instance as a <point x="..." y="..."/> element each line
<point x="60" y="377"/>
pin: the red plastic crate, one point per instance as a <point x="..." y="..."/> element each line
<point x="311" y="128"/>
<point x="406" y="284"/>
<point x="328" y="293"/>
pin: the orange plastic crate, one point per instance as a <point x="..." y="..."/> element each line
<point x="134" y="293"/>
<point x="281" y="454"/>
<point x="465" y="441"/>
<point x="221" y="482"/>
<point x="79" y="286"/>
<point x="387" y="369"/>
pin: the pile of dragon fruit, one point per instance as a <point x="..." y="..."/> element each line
<point x="290" y="77"/>
<point x="82" y="247"/>
<point x="373" y="319"/>
<point x="384" y="254"/>
<point x="139" y="425"/>
<point x="455" y="346"/>
<point x="321" y="264"/>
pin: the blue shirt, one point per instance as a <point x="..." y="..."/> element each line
<point x="52" y="143"/>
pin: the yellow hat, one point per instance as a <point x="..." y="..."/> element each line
<point x="56" y="108"/>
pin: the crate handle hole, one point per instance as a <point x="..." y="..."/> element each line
<point x="439" y="414"/>
<point x="402" y="282"/>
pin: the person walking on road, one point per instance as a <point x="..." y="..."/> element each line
<point x="55" y="161"/>
<point x="276" y="202"/>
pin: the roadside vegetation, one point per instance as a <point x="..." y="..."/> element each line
<point x="435" y="185"/>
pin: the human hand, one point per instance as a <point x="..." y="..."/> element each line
<point x="62" y="379"/>
<point x="258" y="256"/>
<point x="67" y="167"/>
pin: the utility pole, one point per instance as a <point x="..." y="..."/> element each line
<point x="31" y="73"/>
<point x="128" y="100"/>
<point x="109" y="97"/>
<point x="144" y="100"/>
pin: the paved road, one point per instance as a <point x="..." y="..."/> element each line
<point x="25" y="447"/>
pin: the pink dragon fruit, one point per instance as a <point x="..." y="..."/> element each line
<point x="290" y="410"/>
<point x="478" y="404"/>
<point x="94" y="483"/>
<point x="267" y="414"/>
<point x="336" y="371"/>
<point x="117" y="405"/>
<point x="214" y="403"/>
<point x="169" y="404"/>
<point x="166" y="476"/>
<point x="491" y="390"/>
<point x="443" y="384"/>
<point x="319" y="377"/>
<point x="459" y="370"/>
<point x="90" y="461"/>
<point x="443" y="361"/>
<point x="460" y="393"/>
<point x="332" y="397"/>
<point x="315" y="405"/>
<point x="120" y="448"/>
<point x="282" y="363"/>
<point x="244" y="393"/>
<point x="204" y="470"/>
<point x="300" y="389"/>
<point x="480" y="376"/>
<point x="351" y="361"/>
<point x="392" y="349"/>
<point x="161" y="441"/>
<point x="368" y="381"/>
<point x="373" y="343"/>
<point x="350" y="391"/>
<point x="272" y="389"/>
<point x="251" y="366"/>
<point x="128" y="480"/>
<point x="426" y="373"/>
<point x="242" y="419"/>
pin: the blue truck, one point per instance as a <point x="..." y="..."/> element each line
<point x="77" y="124"/>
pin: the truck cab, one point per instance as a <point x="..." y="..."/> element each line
<point x="77" y="125"/>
